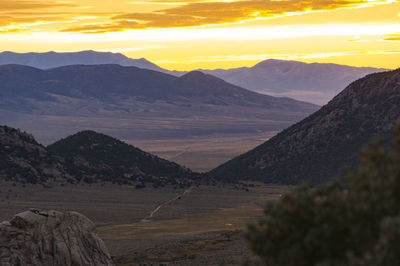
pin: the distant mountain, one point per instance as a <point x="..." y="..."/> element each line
<point x="317" y="83"/>
<point x="92" y="156"/>
<point x="318" y="147"/>
<point x="53" y="59"/>
<point x="86" y="156"/>
<point x="129" y="102"/>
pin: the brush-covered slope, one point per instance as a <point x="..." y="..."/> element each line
<point x="318" y="147"/>
<point x="92" y="156"/>
<point x="84" y="157"/>
<point x="317" y="83"/>
<point x="22" y="159"/>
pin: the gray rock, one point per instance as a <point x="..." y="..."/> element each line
<point x="38" y="237"/>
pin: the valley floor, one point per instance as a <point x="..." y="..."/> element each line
<point x="201" y="154"/>
<point x="197" y="226"/>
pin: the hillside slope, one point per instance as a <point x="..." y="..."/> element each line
<point x="318" y="147"/>
<point x="22" y="159"/>
<point x="86" y="156"/>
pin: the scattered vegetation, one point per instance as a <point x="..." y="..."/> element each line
<point x="86" y="157"/>
<point x="91" y="156"/>
<point x="189" y="250"/>
<point x="321" y="145"/>
<point x="351" y="223"/>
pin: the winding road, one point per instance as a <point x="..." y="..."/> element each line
<point x="153" y="212"/>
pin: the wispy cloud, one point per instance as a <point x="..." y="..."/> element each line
<point x="201" y="13"/>
<point x="392" y="38"/>
<point x="130" y="49"/>
<point x="79" y="17"/>
<point x="12" y="5"/>
<point x="258" y="57"/>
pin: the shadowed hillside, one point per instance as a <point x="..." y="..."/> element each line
<point x="320" y="146"/>
<point x="92" y="156"/>
<point x="86" y="156"/>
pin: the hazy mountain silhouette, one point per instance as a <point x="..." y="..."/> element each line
<point x="318" y="147"/>
<point x="317" y="83"/>
<point x="53" y="59"/>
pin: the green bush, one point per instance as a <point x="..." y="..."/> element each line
<point x="356" y="222"/>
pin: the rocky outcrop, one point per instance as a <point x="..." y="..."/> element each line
<point x="38" y="237"/>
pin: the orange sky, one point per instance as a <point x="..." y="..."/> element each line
<point x="189" y="34"/>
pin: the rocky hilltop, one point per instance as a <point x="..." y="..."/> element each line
<point x="318" y="147"/>
<point x="39" y="238"/>
<point x="86" y="156"/>
<point x="92" y="156"/>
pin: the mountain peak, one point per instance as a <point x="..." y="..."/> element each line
<point x="194" y="74"/>
<point x="277" y="62"/>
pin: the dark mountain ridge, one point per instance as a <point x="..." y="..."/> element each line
<point x="86" y="156"/>
<point x="92" y="156"/>
<point x="318" y="147"/>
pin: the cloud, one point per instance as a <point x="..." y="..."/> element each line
<point x="104" y="27"/>
<point x="200" y="13"/>
<point x="258" y="57"/>
<point x="9" y="5"/>
<point x="172" y="14"/>
<point x="392" y="38"/>
<point x="13" y="13"/>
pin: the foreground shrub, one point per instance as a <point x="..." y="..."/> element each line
<point x="351" y="223"/>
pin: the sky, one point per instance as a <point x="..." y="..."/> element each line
<point x="191" y="34"/>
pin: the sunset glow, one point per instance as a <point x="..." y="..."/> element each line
<point x="188" y="34"/>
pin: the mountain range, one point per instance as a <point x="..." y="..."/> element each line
<point x="53" y="59"/>
<point x="316" y="83"/>
<point x="130" y="102"/>
<point x="85" y="156"/>
<point x="320" y="146"/>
